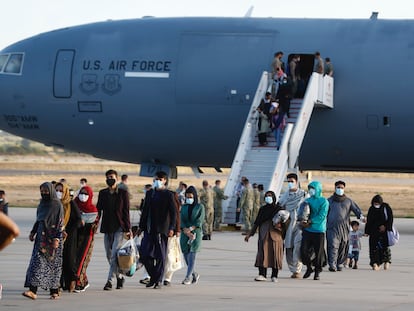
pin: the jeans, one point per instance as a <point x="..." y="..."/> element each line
<point x="113" y="242"/>
<point x="190" y="261"/>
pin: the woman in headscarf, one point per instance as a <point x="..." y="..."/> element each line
<point x="379" y="220"/>
<point x="45" y="267"/>
<point x="86" y="233"/>
<point x="270" y="241"/>
<point x="192" y="217"/>
<point x="71" y="223"/>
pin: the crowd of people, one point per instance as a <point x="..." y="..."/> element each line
<point x="310" y="230"/>
<point x="287" y="82"/>
<point x="318" y="232"/>
<point x="67" y="221"/>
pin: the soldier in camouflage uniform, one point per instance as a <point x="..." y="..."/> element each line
<point x="218" y="198"/>
<point x="206" y="196"/>
<point x="246" y="205"/>
<point x="256" y="203"/>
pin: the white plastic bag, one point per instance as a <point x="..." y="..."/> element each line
<point x="174" y="260"/>
<point x="128" y="257"/>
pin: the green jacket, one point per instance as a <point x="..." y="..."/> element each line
<point x="196" y="220"/>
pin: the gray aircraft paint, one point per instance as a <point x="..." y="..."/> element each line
<point x="177" y="90"/>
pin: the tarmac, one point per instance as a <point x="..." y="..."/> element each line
<point x="226" y="266"/>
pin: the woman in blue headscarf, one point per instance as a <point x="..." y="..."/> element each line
<point x="192" y="217"/>
<point x="45" y="268"/>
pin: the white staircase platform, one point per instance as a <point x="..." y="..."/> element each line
<point x="265" y="164"/>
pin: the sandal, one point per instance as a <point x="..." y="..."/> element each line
<point x="29" y="294"/>
<point x="54" y="296"/>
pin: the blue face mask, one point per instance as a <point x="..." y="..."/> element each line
<point x="189" y="200"/>
<point x="269" y="200"/>
<point x="339" y="191"/>
<point x="312" y="192"/>
<point x="291" y="185"/>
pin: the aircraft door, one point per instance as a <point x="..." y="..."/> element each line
<point x="62" y="75"/>
<point x="216" y="69"/>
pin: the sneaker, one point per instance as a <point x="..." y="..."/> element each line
<point x="196" y="277"/>
<point x="350" y="264"/>
<point x="81" y="289"/>
<point x="339" y="268"/>
<point x="375" y="267"/>
<point x="386" y="266"/>
<point x="260" y="278"/>
<point x="108" y="286"/>
<point x="120" y="283"/>
<point x="186" y="281"/>
<point x="355" y="266"/>
<point x="145" y="281"/>
<point x="295" y="275"/>
<point x="332" y="269"/>
<point x="274" y="279"/>
<point x="167" y="283"/>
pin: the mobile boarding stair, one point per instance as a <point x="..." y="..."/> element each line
<point x="265" y="164"/>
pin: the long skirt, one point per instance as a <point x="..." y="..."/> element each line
<point x="86" y="236"/>
<point x="44" y="271"/>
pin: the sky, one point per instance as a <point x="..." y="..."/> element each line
<point x="24" y="18"/>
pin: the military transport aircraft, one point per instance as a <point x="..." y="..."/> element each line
<point x="176" y="91"/>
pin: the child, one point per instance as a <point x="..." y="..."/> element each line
<point x="354" y="245"/>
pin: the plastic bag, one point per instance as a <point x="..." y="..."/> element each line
<point x="128" y="257"/>
<point x="393" y="236"/>
<point x="174" y="260"/>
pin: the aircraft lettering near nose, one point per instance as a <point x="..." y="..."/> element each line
<point x="177" y="91"/>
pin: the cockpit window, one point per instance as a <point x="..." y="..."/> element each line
<point x="3" y="60"/>
<point x="11" y="63"/>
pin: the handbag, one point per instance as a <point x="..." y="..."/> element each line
<point x="392" y="235"/>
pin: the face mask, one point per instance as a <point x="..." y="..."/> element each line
<point x="110" y="182"/>
<point x="189" y="200"/>
<point x="339" y="191"/>
<point x="377" y="205"/>
<point x="158" y="184"/>
<point x="269" y="200"/>
<point x="59" y="194"/>
<point x="83" y="197"/>
<point x="45" y="196"/>
<point x="312" y="192"/>
<point x="291" y="185"/>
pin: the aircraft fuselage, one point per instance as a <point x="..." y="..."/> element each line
<point x="177" y="90"/>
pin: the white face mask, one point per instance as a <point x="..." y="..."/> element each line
<point x="312" y="192"/>
<point x="158" y="184"/>
<point x="339" y="191"/>
<point x="269" y="200"/>
<point x="189" y="200"/>
<point x="83" y="197"/>
<point x="59" y="194"/>
<point x="377" y="205"/>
